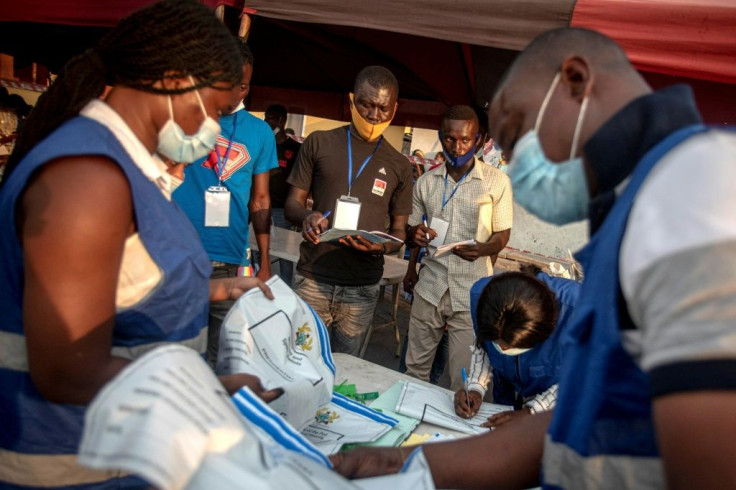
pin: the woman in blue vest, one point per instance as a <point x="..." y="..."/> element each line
<point x="519" y="318"/>
<point x="97" y="264"/>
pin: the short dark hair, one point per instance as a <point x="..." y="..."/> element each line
<point x="377" y="77"/>
<point x="460" y="113"/>
<point x="517" y="308"/>
<point x="277" y="110"/>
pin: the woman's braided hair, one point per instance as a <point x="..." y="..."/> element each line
<point x="168" y="39"/>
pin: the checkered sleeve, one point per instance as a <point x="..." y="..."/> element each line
<point x="480" y="371"/>
<point x="503" y="204"/>
<point x="417" y="207"/>
<point x="544" y="401"/>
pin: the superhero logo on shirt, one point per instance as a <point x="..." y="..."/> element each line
<point x="237" y="157"/>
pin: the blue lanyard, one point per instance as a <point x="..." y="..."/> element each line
<point x="221" y="162"/>
<point x="350" y="161"/>
<point x="444" y="188"/>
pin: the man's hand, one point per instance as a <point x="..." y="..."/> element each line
<point x="233" y="382"/>
<point x="312" y="226"/>
<point x="419" y="234"/>
<point x="239" y="285"/>
<point x="410" y="279"/>
<point x="461" y="404"/>
<point x="365" y="462"/>
<point x="361" y="244"/>
<point x="264" y="272"/>
<point x="471" y="253"/>
<point x="501" y="418"/>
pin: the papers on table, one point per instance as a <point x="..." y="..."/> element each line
<point x="335" y="234"/>
<point x="285" y="344"/>
<point x="446" y="249"/>
<point x="344" y="421"/>
<point x="167" y="418"/>
<point x="436" y="407"/>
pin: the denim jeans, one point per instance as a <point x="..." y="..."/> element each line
<point x="218" y="312"/>
<point x="346" y="310"/>
<point x="286" y="268"/>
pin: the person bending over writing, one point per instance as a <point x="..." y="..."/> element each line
<point x="519" y="319"/>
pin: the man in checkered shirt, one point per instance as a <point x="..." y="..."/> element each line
<point x="473" y="201"/>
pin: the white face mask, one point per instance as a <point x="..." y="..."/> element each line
<point x="509" y="352"/>
<point x="554" y="192"/>
<point x="183" y="148"/>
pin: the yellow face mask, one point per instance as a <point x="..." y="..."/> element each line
<point x="366" y="130"/>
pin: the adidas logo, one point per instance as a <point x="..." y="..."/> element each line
<point x="382" y="171"/>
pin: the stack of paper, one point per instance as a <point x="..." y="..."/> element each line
<point x="446" y="249"/>
<point x="437" y="407"/>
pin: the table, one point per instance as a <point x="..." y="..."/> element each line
<point x="368" y="377"/>
<point x="285" y="245"/>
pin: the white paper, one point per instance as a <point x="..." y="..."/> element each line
<point x="217" y="207"/>
<point x="446" y="249"/>
<point x="435" y="406"/>
<point x="440" y="226"/>
<point x="283" y="343"/>
<point x="167" y="419"/>
<point x="343" y="421"/>
<point x="415" y="475"/>
<point x="159" y="417"/>
<point x="347" y="214"/>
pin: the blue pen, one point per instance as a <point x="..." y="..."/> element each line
<point x="324" y="216"/>
<point x="424" y="222"/>
<point x="465" y="384"/>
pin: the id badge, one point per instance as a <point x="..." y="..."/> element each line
<point x="217" y="206"/>
<point x="440" y="226"/>
<point x="347" y="213"/>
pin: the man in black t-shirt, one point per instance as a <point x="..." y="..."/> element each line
<point x="340" y="280"/>
<point x="287" y="148"/>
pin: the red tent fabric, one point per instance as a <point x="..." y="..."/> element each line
<point x="308" y="51"/>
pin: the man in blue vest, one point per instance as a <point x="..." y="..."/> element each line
<point x="646" y="392"/>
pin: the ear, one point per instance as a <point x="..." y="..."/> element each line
<point x="576" y="76"/>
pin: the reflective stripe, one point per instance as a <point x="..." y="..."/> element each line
<point x="198" y="343"/>
<point x="565" y="468"/>
<point x="48" y="470"/>
<point x="14" y="355"/>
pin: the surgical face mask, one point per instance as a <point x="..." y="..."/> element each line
<point x="554" y="192"/>
<point x="366" y="130"/>
<point x="183" y="148"/>
<point x="459" y="161"/>
<point x="509" y="352"/>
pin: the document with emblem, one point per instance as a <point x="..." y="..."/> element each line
<point x="436" y="407"/>
<point x="167" y="419"/>
<point x="285" y="344"/>
<point x="344" y="421"/>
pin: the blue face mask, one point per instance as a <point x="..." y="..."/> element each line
<point x="183" y="148"/>
<point x="554" y="192"/>
<point x="461" y="160"/>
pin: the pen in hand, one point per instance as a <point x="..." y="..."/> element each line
<point x="465" y="385"/>
<point x="324" y="216"/>
<point x="424" y="222"/>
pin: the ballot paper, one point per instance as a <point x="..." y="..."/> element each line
<point x="435" y="406"/>
<point x="167" y="419"/>
<point x="285" y="344"/>
<point x="344" y="421"/>
<point x="446" y="249"/>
